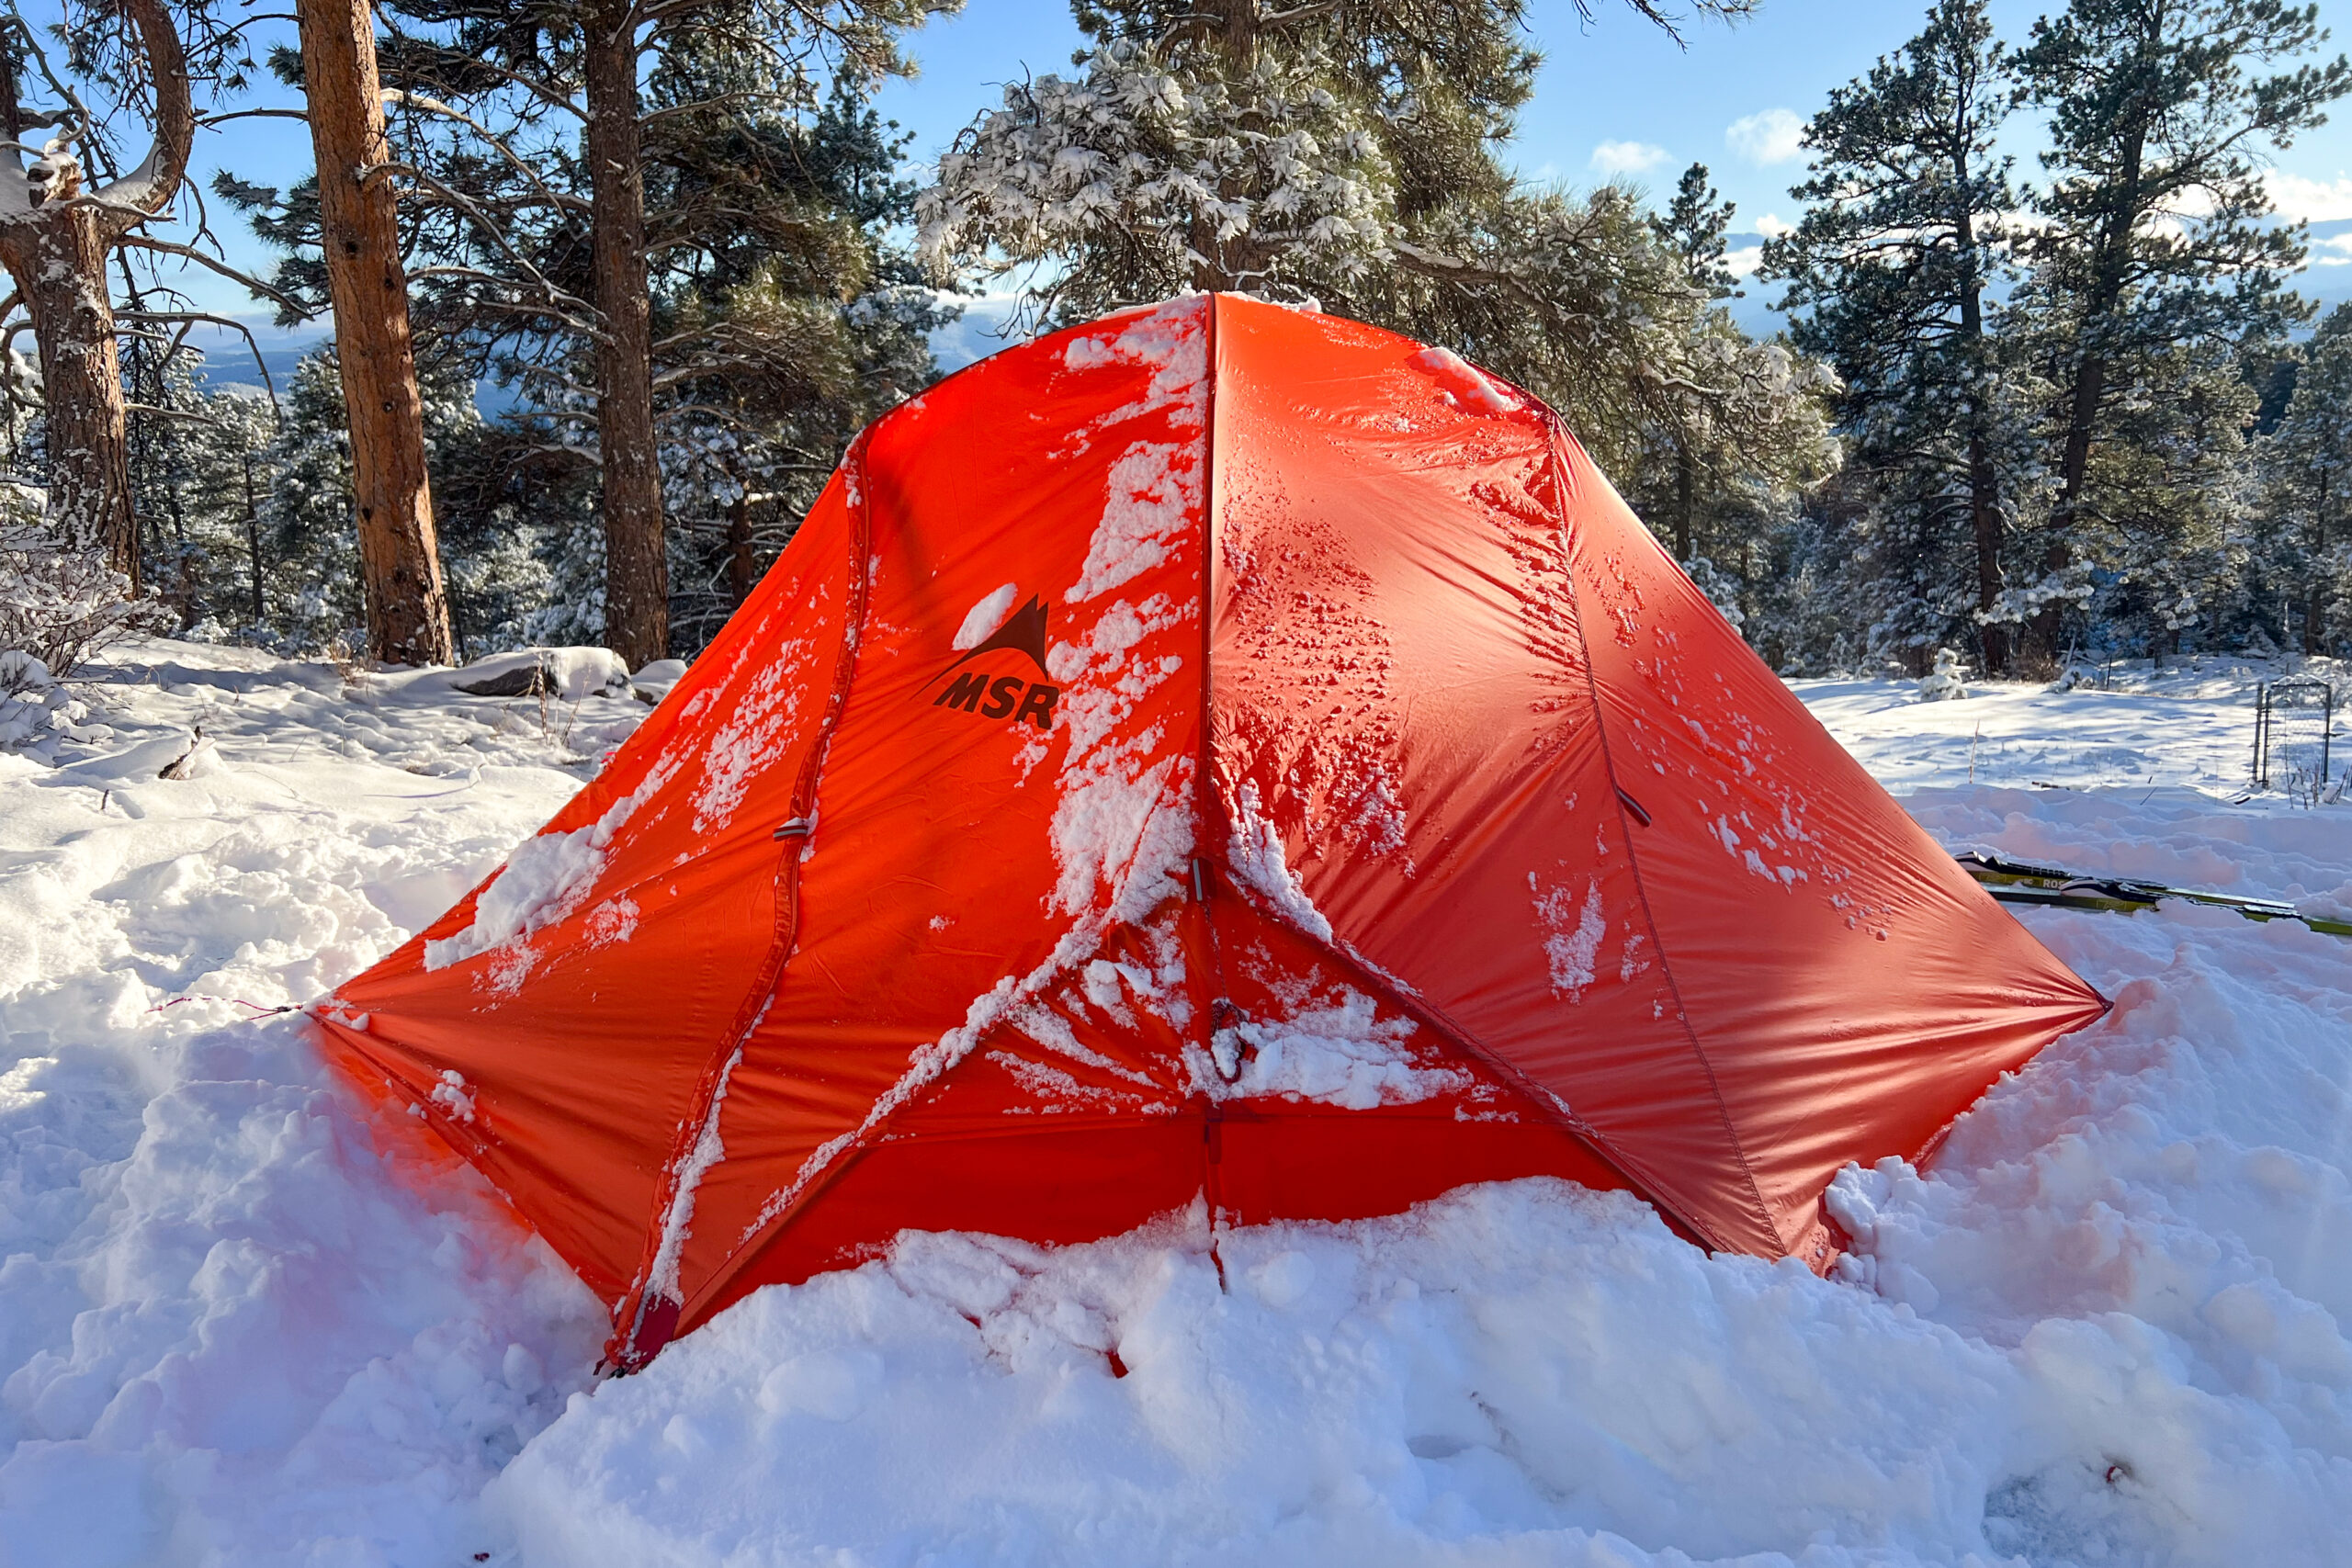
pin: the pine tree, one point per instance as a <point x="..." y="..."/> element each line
<point x="2307" y="468"/>
<point x="408" y="612"/>
<point x="500" y="545"/>
<point x="1891" y="276"/>
<point x="58" y="233"/>
<point x="1346" y="157"/>
<point x="1721" y="475"/>
<point x="778" y="314"/>
<point x="2155" y="249"/>
<point x="2174" y="481"/>
<point x="1693" y="226"/>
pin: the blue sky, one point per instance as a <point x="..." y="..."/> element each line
<point x="1615" y="97"/>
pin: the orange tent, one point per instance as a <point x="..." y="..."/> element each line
<point x="1224" y="754"/>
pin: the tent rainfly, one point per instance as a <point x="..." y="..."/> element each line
<point x="1223" y="756"/>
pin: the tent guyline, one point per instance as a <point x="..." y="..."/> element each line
<point x="1220" y="761"/>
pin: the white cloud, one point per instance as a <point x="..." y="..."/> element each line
<point x="1770" y="137"/>
<point x="1772" y="226"/>
<point x="1627" y="157"/>
<point x="1744" y="261"/>
<point x="2313" y="201"/>
<point x="2339" y="243"/>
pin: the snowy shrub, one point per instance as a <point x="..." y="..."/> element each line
<point x="1947" y="680"/>
<point x="1721" y="588"/>
<point x="34" y="707"/>
<point x="60" y="606"/>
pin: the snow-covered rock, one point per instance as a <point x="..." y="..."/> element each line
<point x="570" y="673"/>
<point x="651" y="683"/>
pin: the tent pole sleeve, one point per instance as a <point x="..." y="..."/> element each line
<point x="642" y="1324"/>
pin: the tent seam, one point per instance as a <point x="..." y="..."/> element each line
<point x="1632" y="852"/>
<point x="762" y="994"/>
<point x="1204" y="811"/>
<point x="748" y="1250"/>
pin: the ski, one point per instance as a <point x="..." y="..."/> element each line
<point x="2017" y="881"/>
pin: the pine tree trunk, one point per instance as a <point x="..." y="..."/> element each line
<point x="1984" y="492"/>
<point x="56" y="250"/>
<point x="1237" y="24"/>
<point x="637" y="573"/>
<point x="2086" y="398"/>
<point x="2315" y="599"/>
<point x="252" y="540"/>
<point x="400" y="559"/>
<point x="743" y="567"/>
<point x="2074" y="466"/>
<point x="1984" y="520"/>
<point x="1684" y="485"/>
<point x="58" y="258"/>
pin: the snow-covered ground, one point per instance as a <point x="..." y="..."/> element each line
<point x="243" y="1324"/>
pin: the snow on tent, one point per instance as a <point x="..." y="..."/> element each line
<point x="1219" y="756"/>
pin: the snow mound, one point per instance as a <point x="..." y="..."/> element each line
<point x="241" y="1319"/>
<point x="652" y="684"/>
<point x="1463" y="383"/>
<point x="984" y="617"/>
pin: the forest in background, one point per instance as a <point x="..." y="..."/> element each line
<point x="2043" y="413"/>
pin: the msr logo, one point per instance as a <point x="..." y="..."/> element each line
<point x="1016" y="697"/>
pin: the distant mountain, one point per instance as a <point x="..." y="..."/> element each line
<point x="229" y="360"/>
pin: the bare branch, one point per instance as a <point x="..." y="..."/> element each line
<point x="151" y="186"/>
<point x="482" y="220"/>
<point x="187" y="416"/>
<point x="540" y="90"/>
<point x="252" y="344"/>
<point x="723" y="98"/>
<point x="557" y="301"/>
<point x="434" y="105"/>
<point x="225" y="116"/>
<point x="557" y="451"/>
<point x="1298" y="13"/>
<point x="190" y="253"/>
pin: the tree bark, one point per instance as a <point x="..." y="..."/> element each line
<point x="2084" y="399"/>
<point x="742" y="566"/>
<point x="636" y="571"/>
<point x="1984" y="491"/>
<point x="55" y="242"/>
<point x="1684" y="484"/>
<point x="2315" y="590"/>
<point x="58" y="262"/>
<point x="1984" y="520"/>
<point x="400" y="558"/>
<point x="252" y="538"/>
<point x="1236" y="25"/>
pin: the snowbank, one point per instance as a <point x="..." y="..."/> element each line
<point x="240" y="1323"/>
<point x="243" y="1319"/>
